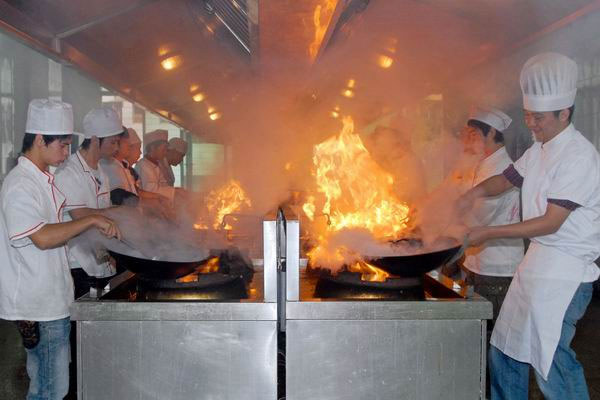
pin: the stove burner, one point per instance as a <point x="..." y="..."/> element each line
<point x="331" y="289"/>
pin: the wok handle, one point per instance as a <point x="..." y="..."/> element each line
<point x="460" y="251"/>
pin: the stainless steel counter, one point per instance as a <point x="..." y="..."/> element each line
<point x="432" y="349"/>
<point x="178" y="349"/>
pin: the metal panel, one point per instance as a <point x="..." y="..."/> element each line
<point x="177" y="360"/>
<point x="270" y="260"/>
<point x="374" y="310"/>
<point x="368" y="360"/>
<point x="292" y="260"/>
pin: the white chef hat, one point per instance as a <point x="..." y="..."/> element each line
<point x="102" y="122"/>
<point x="157" y="135"/>
<point x="134" y="138"/>
<point x="549" y="82"/>
<point x="491" y="116"/>
<point x="179" y="145"/>
<point x="49" y="117"/>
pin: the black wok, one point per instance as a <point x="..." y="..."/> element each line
<point x="415" y="265"/>
<point x="155" y="269"/>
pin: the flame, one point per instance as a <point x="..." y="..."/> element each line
<point x="212" y="265"/>
<point x="368" y="272"/>
<point x="228" y="199"/>
<point x="321" y="19"/>
<point x="357" y="193"/>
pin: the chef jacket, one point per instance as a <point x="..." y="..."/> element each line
<point x="119" y="175"/>
<point x="152" y="178"/>
<point x="167" y="171"/>
<point x="563" y="171"/>
<point x="497" y="257"/>
<point x="35" y="284"/>
<point x="85" y="187"/>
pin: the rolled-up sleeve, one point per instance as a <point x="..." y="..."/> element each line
<point x="513" y="176"/>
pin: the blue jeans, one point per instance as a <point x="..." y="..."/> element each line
<point x="510" y="378"/>
<point x="48" y="361"/>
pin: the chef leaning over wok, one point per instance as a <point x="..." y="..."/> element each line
<point x="559" y="179"/>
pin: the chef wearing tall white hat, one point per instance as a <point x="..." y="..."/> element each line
<point x="176" y="150"/>
<point x="559" y="178"/>
<point x="36" y="288"/>
<point x="85" y="184"/>
<point x="152" y="178"/>
<point x="490" y="266"/>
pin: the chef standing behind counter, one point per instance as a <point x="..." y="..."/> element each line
<point x="559" y="178"/>
<point x="85" y="184"/>
<point x="176" y="150"/>
<point x="152" y="177"/>
<point x="490" y="266"/>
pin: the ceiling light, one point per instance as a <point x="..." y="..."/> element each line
<point x="198" y="97"/>
<point x="170" y="63"/>
<point x="385" y="61"/>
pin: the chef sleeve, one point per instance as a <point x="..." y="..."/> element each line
<point x="73" y="189"/>
<point x="24" y="212"/>
<point x="571" y="185"/>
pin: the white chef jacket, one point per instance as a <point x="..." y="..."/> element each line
<point x="84" y="187"/>
<point x="566" y="169"/>
<point x="35" y="284"/>
<point x="167" y="171"/>
<point x="118" y="175"/>
<point x="153" y="179"/>
<point x="498" y="257"/>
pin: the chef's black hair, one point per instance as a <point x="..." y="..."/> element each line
<point x="30" y="137"/>
<point x="571" y="112"/>
<point x="485" y="129"/>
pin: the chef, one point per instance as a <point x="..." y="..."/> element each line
<point x="176" y="150"/>
<point x="490" y="266"/>
<point x="85" y="184"/>
<point x="117" y="167"/>
<point x="36" y="288"/>
<point x="152" y="178"/>
<point x="559" y="178"/>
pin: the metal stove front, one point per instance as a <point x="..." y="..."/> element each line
<point x="184" y="345"/>
<point x="375" y="347"/>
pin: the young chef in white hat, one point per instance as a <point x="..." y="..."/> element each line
<point x="36" y="288"/>
<point x="86" y="186"/>
<point x="176" y="150"/>
<point x="491" y="265"/>
<point x="152" y="177"/>
<point x="559" y="178"/>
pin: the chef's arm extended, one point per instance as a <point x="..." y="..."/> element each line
<point x="55" y="235"/>
<point x="546" y="224"/>
<point x="492" y="186"/>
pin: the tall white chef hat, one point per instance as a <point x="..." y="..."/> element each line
<point x="157" y="135"/>
<point x="49" y="117"/>
<point x="179" y="145"/>
<point x="102" y="122"/>
<point x="134" y="138"/>
<point x="491" y="116"/>
<point x="549" y="82"/>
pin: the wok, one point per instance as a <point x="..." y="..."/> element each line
<point x="415" y="265"/>
<point x="156" y="269"/>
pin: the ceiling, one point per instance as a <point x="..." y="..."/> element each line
<point x="221" y="47"/>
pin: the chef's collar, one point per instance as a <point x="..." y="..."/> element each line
<point x="84" y="164"/>
<point x="44" y="177"/>
<point x="559" y="140"/>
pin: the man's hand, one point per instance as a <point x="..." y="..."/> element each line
<point x="106" y="226"/>
<point x="479" y="235"/>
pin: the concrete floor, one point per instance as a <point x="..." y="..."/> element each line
<point x="14" y="380"/>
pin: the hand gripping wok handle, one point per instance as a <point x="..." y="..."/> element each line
<point x="460" y="251"/>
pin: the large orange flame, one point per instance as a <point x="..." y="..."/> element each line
<point x="321" y="19"/>
<point x="357" y="193"/>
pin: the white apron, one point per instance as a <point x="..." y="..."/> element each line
<point x="530" y="322"/>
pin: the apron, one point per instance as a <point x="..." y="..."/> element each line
<point x="530" y="322"/>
